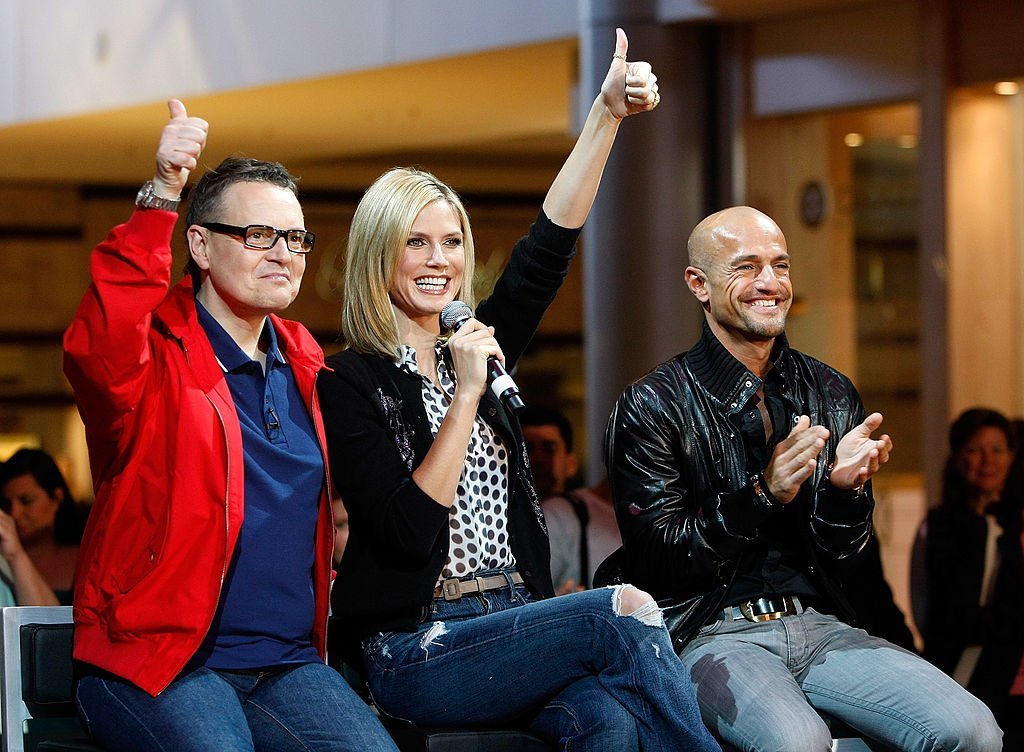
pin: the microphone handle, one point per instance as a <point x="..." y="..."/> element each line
<point x="503" y="387"/>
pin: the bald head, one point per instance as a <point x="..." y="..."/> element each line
<point x="739" y="272"/>
<point x="722" y="229"/>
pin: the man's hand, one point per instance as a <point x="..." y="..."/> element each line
<point x="181" y="143"/>
<point x="794" y="459"/>
<point x="858" y="456"/>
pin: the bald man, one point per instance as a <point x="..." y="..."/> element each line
<point x="741" y="473"/>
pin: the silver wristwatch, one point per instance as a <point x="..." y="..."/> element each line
<point x="147" y="199"/>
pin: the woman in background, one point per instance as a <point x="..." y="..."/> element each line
<point x="974" y="627"/>
<point x="42" y="520"/>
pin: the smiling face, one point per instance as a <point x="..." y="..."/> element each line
<point x="240" y="281"/>
<point x="984" y="461"/>
<point x="430" y="268"/>
<point x="740" y="273"/>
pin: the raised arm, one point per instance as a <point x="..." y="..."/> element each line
<point x="628" y="88"/>
<point x="676" y="540"/>
<point x="106" y="344"/>
<point x="181" y="143"/>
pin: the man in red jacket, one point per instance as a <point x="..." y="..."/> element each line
<point x="202" y="586"/>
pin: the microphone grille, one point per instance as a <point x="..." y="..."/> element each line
<point x="455" y="313"/>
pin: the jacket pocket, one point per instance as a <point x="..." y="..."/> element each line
<point x="136" y="571"/>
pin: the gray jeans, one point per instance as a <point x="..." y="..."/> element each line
<point x="758" y="684"/>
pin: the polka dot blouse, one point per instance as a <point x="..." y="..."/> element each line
<point x="478" y="521"/>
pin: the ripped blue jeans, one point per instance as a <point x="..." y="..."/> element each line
<point x="573" y="669"/>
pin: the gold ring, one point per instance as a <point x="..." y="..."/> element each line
<point x="657" y="100"/>
<point x="619" y="56"/>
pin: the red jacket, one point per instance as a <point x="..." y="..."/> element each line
<point x="165" y="447"/>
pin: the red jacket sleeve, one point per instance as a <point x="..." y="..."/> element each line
<point x="106" y="348"/>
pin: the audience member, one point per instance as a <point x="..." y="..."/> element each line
<point x="741" y="472"/>
<point x="975" y="564"/>
<point x="581" y="522"/>
<point x="445" y="585"/>
<point x="201" y="597"/>
<point x="40" y="528"/>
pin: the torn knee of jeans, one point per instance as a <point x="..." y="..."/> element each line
<point x="430" y="637"/>
<point x="649" y="613"/>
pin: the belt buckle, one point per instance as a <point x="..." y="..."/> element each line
<point x="747" y="609"/>
<point x="451" y="589"/>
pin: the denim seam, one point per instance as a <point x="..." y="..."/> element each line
<point x="267" y="712"/>
<point x="142" y="726"/>
<point x="859" y="702"/>
<point x="577" y="729"/>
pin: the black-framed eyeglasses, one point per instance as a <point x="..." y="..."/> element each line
<point x="265" y="237"/>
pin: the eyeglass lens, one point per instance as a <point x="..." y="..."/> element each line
<point x="262" y="236"/>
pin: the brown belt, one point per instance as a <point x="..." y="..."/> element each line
<point x="453" y="588"/>
<point x="763" y="609"/>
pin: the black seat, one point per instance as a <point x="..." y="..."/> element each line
<point x="38" y="706"/>
<point x="39" y="713"/>
<point x="411" y="738"/>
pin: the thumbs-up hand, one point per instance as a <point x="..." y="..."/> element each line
<point x="181" y="143"/>
<point x="628" y="88"/>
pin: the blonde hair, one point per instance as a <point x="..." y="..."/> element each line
<point x="376" y="242"/>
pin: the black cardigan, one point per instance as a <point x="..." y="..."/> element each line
<point x="378" y="433"/>
<point x="955" y="555"/>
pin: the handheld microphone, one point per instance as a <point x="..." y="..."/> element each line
<point x="453" y="316"/>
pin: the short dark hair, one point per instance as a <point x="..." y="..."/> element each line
<point x="204" y="200"/>
<point x="67" y="526"/>
<point x="536" y="415"/>
<point x="968" y="423"/>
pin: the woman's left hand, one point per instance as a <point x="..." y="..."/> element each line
<point x="628" y="88"/>
<point x="10" y="543"/>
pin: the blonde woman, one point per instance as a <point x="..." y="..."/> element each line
<point x="445" y="586"/>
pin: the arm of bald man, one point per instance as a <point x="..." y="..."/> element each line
<point x="858" y="456"/>
<point x="794" y="459"/>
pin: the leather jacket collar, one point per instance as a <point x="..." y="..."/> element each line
<point x="723" y="376"/>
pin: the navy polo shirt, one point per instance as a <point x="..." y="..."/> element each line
<point x="265" y="614"/>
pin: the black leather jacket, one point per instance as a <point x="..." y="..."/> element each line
<point x="683" y="496"/>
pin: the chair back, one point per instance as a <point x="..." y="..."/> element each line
<point x="37" y="693"/>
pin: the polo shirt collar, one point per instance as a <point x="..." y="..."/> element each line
<point x="229" y="355"/>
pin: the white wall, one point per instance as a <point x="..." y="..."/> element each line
<point x="839" y="58"/>
<point x="985" y="252"/>
<point x="67" y="57"/>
